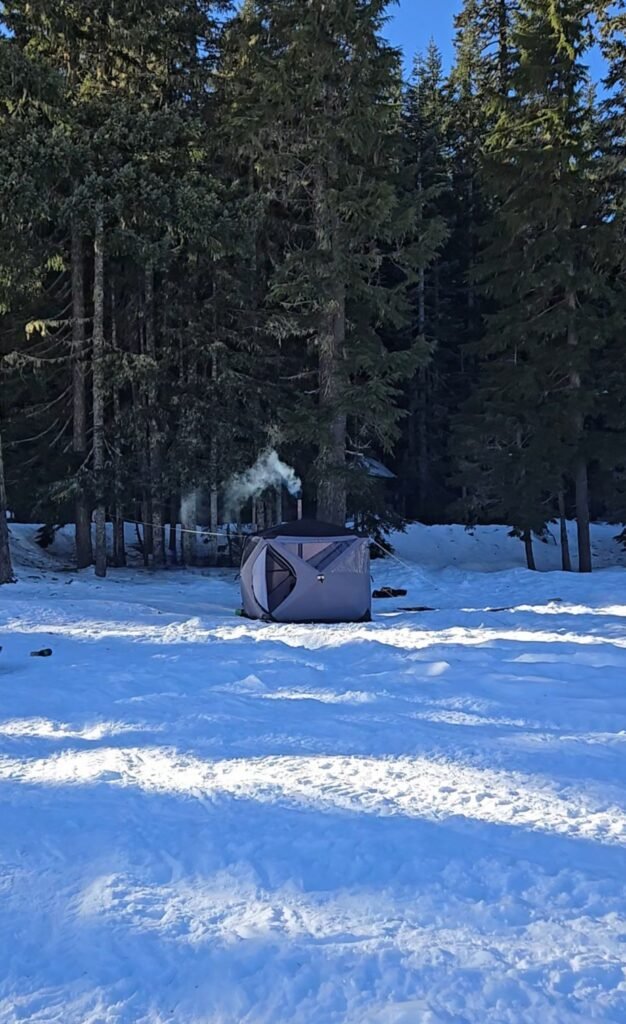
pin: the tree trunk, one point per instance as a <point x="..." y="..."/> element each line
<point x="213" y="504"/>
<point x="331" y="339"/>
<point x="278" y="514"/>
<point x="582" y="518"/>
<point x="140" y="401"/>
<point x="154" y="445"/>
<point x="410" y="483"/>
<point x="471" y="292"/>
<point x="146" y="516"/>
<point x="503" y="48"/>
<point x="189" y="524"/>
<point x="527" y="537"/>
<point x="262" y="518"/>
<point x="331" y="489"/>
<point x="98" y="378"/>
<point x="581" y="479"/>
<point x="566" y="560"/>
<point x="421" y="302"/>
<point x="213" y="467"/>
<point x="423" y="456"/>
<point x="119" y="542"/>
<point x="6" y="569"/>
<point x="84" y="549"/>
<point x="421" y="384"/>
<point x="173" y="542"/>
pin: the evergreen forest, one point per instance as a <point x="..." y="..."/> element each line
<point x="233" y="228"/>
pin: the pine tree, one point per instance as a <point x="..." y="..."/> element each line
<point x="466" y="207"/>
<point x="613" y="43"/>
<point x="6" y="570"/>
<point x="546" y="268"/>
<point x="318" y="111"/>
<point x="24" y="128"/>
<point x="131" y="121"/>
<point x="610" y="425"/>
<point x="488" y="24"/>
<point x="428" y="182"/>
<point x="99" y="395"/>
<point x="84" y="552"/>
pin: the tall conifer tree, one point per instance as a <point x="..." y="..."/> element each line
<point x="319" y="114"/>
<point x="489" y="26"/>
<point x="546" y="268"/>
<point x="426" y="112"/>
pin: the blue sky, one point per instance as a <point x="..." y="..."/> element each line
<point x="414" y="22"/>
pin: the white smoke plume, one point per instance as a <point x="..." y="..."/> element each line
<point x="268" y="471"/>
<point x="189" y="509"/>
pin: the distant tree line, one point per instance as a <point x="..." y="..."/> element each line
<point x="223" y="230"/>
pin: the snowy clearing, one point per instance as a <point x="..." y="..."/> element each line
<point x="213" y="821"/>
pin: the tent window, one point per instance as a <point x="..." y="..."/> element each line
<point x="280" y="579"/>
<point x="356" y="559"/>
<point x="322" y="559"/>
<point x="320" y="554"/>
<point x="312" y="551"/>
<point x="305" y="550"/>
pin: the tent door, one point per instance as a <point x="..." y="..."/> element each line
<point x="259" y="580"/>
<point x="280" y="579"/>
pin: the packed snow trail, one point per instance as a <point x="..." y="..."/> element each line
<point x="208" y="821"/>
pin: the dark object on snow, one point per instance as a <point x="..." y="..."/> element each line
<point x="306" y="571"/>
<point x="307" y="528"/>
<point x="389" y="592"/>
<point x="45" y="535"/>
<point x="45" y="653"/>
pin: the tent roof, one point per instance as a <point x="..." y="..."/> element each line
<point x="307" y="528"/>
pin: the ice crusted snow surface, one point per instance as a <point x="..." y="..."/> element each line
<point x="418" y="821"/>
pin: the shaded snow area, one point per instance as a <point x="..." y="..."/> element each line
<point x="421" y="820"/>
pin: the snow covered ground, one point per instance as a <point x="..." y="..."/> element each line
<point x="418" y="821"/>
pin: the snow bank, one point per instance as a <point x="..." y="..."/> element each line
<point x="484" y="549"/>
<point x="492" y="549"/>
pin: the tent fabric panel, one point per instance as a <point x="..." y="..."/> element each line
<point x="325" y="558"/>
<point x="343" y="597"/>
<point x="297" y="547"/>
<point x="355" y="559"/>
<point x="259" y="580"/>
<point x="308" y="550"/>
<point x="317" y="552"/>
<point x="330" y="596"/>
<point x="280" y="577"/>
